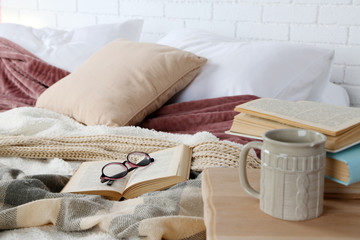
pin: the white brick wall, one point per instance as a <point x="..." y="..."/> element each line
<point x="299" y="14"/>
<point x="354" y="36"/>
<point x="260" y="31"/>
<point x="347" y="15"/>
<point x="235" y="12"/>
<point x="142" y="8"/>
<point x="319" y="34"/>
<point x="108" y="7"/>
<point x="332" y="24"/>
<point x="54" y="5"/>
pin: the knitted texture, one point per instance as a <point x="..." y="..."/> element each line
<point x="115" y="147"/>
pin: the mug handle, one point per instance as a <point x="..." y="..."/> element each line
<point x="242" y="168"/>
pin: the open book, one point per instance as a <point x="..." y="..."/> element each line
<point x="170" y="166"/>
<point x="341" y="125"/>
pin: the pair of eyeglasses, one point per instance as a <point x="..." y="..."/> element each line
<point x="117" y="170"/>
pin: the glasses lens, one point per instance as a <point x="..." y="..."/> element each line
<point x="115" y="170"/>
<point x="139" y="158"/>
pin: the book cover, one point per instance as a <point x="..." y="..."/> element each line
<point x="344" y="166"/>
<point x="170" y="166"/>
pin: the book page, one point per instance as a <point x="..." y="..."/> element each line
<point x="87" y="178"/>
<point x="166" y="163"/>
<point x="258" y="121"/>
<point x="320" y="115"/>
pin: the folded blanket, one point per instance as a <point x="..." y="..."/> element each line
<point x="23" y="76"/>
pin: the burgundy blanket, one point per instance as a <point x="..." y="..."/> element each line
<point x="23" y="76"/>
<point x="212" y="115"/>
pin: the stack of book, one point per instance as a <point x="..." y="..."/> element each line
<point x="341" y="126"/>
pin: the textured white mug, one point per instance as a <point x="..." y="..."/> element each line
<point x="292" y="173"/>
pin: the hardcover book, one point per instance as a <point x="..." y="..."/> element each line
<point x="344" y="166"/>
<point x="170" y="166"/>
<point x="341" y="125"/>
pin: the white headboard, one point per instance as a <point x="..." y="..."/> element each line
<point x="328" y="23"/>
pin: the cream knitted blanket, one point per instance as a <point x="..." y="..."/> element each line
<point x="113" y="147"/>
<point x="57" y="141"/>
<point x="40" y="134"/>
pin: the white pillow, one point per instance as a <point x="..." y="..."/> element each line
<point x="266" y="69"/>
<point x="335" y="95"/>
<point x="69" y="49"/>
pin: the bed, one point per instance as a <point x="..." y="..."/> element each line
<point x="65" y="100"/>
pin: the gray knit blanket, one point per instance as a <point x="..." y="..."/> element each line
<point x="29" y="201"/>
<point x="32" y="174"/>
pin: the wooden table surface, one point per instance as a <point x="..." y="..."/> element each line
<point x="230" y="213"/>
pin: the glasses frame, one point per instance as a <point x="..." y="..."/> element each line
<point x="110" y="179"/>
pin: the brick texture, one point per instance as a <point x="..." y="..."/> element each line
<point x="332" y="24"/>
<point x="238" y="12"/>
<point x="93" y="6"/>
<point x="55" y="5"/>
<point x="290" y="14"/>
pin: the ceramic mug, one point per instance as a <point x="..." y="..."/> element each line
<point x="292" y="173"/>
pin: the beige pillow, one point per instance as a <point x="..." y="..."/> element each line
<point x="122" y="83"/>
